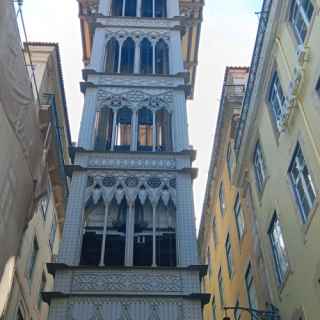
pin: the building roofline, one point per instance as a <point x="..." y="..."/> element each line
<point x="61" y="80"/>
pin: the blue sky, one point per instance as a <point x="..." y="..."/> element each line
<point x="228" y="34"/>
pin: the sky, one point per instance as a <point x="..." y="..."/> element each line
<point x="227" y="39"/>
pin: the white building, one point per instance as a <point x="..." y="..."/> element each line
<point x="129" y="246"/>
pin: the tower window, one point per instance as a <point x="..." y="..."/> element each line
<point x="123" y="130"/>
<point x="239" y="217"/>
<point x="162" y="57"/>
<point x="147" y="8"/>
<point x="161" y="8"/>
<point x="163" y="130"/>
<point x="130" y="8"/>
<point x="145" y="139"/>
<point x="117" y="8"/>
<point x="146" y="57"/>
<point x="127" y="56"/>
<point x="112" y="56"/>
<point x="251" y="291"/>
<point x="103" y="129"/>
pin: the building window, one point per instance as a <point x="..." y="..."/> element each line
<point x="277" y="99"/>
<point x="221" y="199"/>
<point x="145" y="131"/>
<point x="214" y="230"/>
<point x="123" y="130"/>
<point x="32" y="258"/>
<point x="41" y="289"/>
<point x="221" y="288"/>
<point x="154" y="8"/>
<point x="301" y="12"/>
<point x="162" y="57"/>
<point x="209" y="262"/>
<point x="237" y="312"/>
<point x="126" y="8"/>
<point x="43" y="205"/>
<point x="53" y="231"/>
<point x="146" y="57"/>
<point x="259" y="167"/>
<point x="213" y="307"/>
<point x="239" y="217"/>
<point x="127" y="56"/>
<point x="251" y="291"/>
<point x="229" y="255"/>
<point x="302" y="183"/>
<point x="229" y="159"/>
<point x="112" y="56"/>
<point x="278" y="249"/>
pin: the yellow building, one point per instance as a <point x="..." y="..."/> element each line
<point x="278" y="153"/>
<point x="235" y="267"/>
<point x="41" y="239"/>
<point x="277" y="156"/>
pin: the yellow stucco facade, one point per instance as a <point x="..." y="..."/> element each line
<point x="219" y="232"/>
<point x="277" y="156"/>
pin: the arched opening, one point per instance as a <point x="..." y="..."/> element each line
<point x="112" y="56"/>
<point x="117" y="8"/>
<point x="147" y="8"/>
<point x="130" y="8"/>
<point x="145" y="124"/>
<point x="146" y="57"/>
<point x="143" y="234"/>
<point x="161" y="8"/>
<point x="163" y="130"/>
<point x="92" y="234"/>
<point x="166" y="253"/>
<point x="162" y="57"/>
<point x="127" y="56"/>
<point x="123" y="130"/>
<point x="103" y="129"/>
<point x="116" y="234"/>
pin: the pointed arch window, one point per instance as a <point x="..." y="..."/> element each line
<point x="127" y="56"/>
<point x="162" y="57"/>
<point x="103" y="129"/>
<point x="112" y="56"/>
<point x="145" y="125"/>
<point x="160" y="8"/>
<point x="146" y="57"/>
<point x="123" y="130"/>
<point x="147" y="8"/>
<point x="163" y="129"/>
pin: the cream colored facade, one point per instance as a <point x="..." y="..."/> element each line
<point x="277" y="151"/>
<point x="45" y="229"/>
<point x="219" y="231"/>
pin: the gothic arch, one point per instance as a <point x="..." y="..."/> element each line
<point x="162" y="57"/>
<point x="145" y="129"/>
<point x="123" y="129"/>
<point x="112" y="56"/>
<point x="127" y="56"/>
<point x="146" y="57"/>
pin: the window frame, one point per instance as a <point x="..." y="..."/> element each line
<point x="214" y="230"/>
<point x="229" y="159"/>
<point x="33" y="258"/>
<point x="52" y="235"/>
<point x="209" y="262"/>
<point x="276" y="89"/>
<point x="249" y="286"/>
<point x="259" y="166"/>
<point x="222" y="202"/>
<point x="297" y="14"/>
<point x="280" y="275"/>
<point x="221" y="287"/>
<point x="43" y="283"/>
<point x="228" y="250"/>
<point x="300" y="180"/>
<point x="238" y="212"/>
<point x="43" y="205"/>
